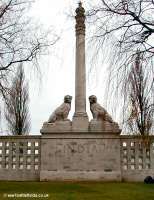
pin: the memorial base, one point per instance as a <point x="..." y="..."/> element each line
<point x="80" y="176"/>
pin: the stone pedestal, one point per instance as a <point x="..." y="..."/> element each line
<point x="80" y="123"/>
<point x="104" y="126"/>
<point x="58" y="126"/>
<point x="80" y="156"/>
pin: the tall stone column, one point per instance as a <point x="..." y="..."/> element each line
<point x="80" y="118"/>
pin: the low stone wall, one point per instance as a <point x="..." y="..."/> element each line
<point x="20" y="157"/>
<point x="77" y="156"/>
<point x="137" y="158"/>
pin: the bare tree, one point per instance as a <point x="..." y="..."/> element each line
<point x="122" y="28"/>
<point x="20" y="40"/>
<point x="139" y="105"/>
<point x="131" y="22"/>
<point x="16" y="105"/>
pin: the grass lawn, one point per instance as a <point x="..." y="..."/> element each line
<point x="77" y="190"/>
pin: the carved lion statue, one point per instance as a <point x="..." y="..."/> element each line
<point x="98" y="112"/>
<point x="61" y="113"/>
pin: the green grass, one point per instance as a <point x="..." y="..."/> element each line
<point x="79" y="190"/>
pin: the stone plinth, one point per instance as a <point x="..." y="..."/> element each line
<point x="58" y="126"/>
<point x="80" y="156"/>
<point x="80" y="123"/>
<point x="104" y="126"/>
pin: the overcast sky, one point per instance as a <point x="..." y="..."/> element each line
<point x="58" y="69"/>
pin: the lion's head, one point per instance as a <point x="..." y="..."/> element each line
<point x="67" y="99"/>
<point x="92" y="99"/>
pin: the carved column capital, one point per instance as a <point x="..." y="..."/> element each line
<point x="80" y="20"/>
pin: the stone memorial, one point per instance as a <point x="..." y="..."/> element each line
<point x="79" y="149"/>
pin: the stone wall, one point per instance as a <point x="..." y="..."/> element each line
<point x="77" y="156"/>
<point x="20" y="158"/>
<point x="137" y="158"/>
